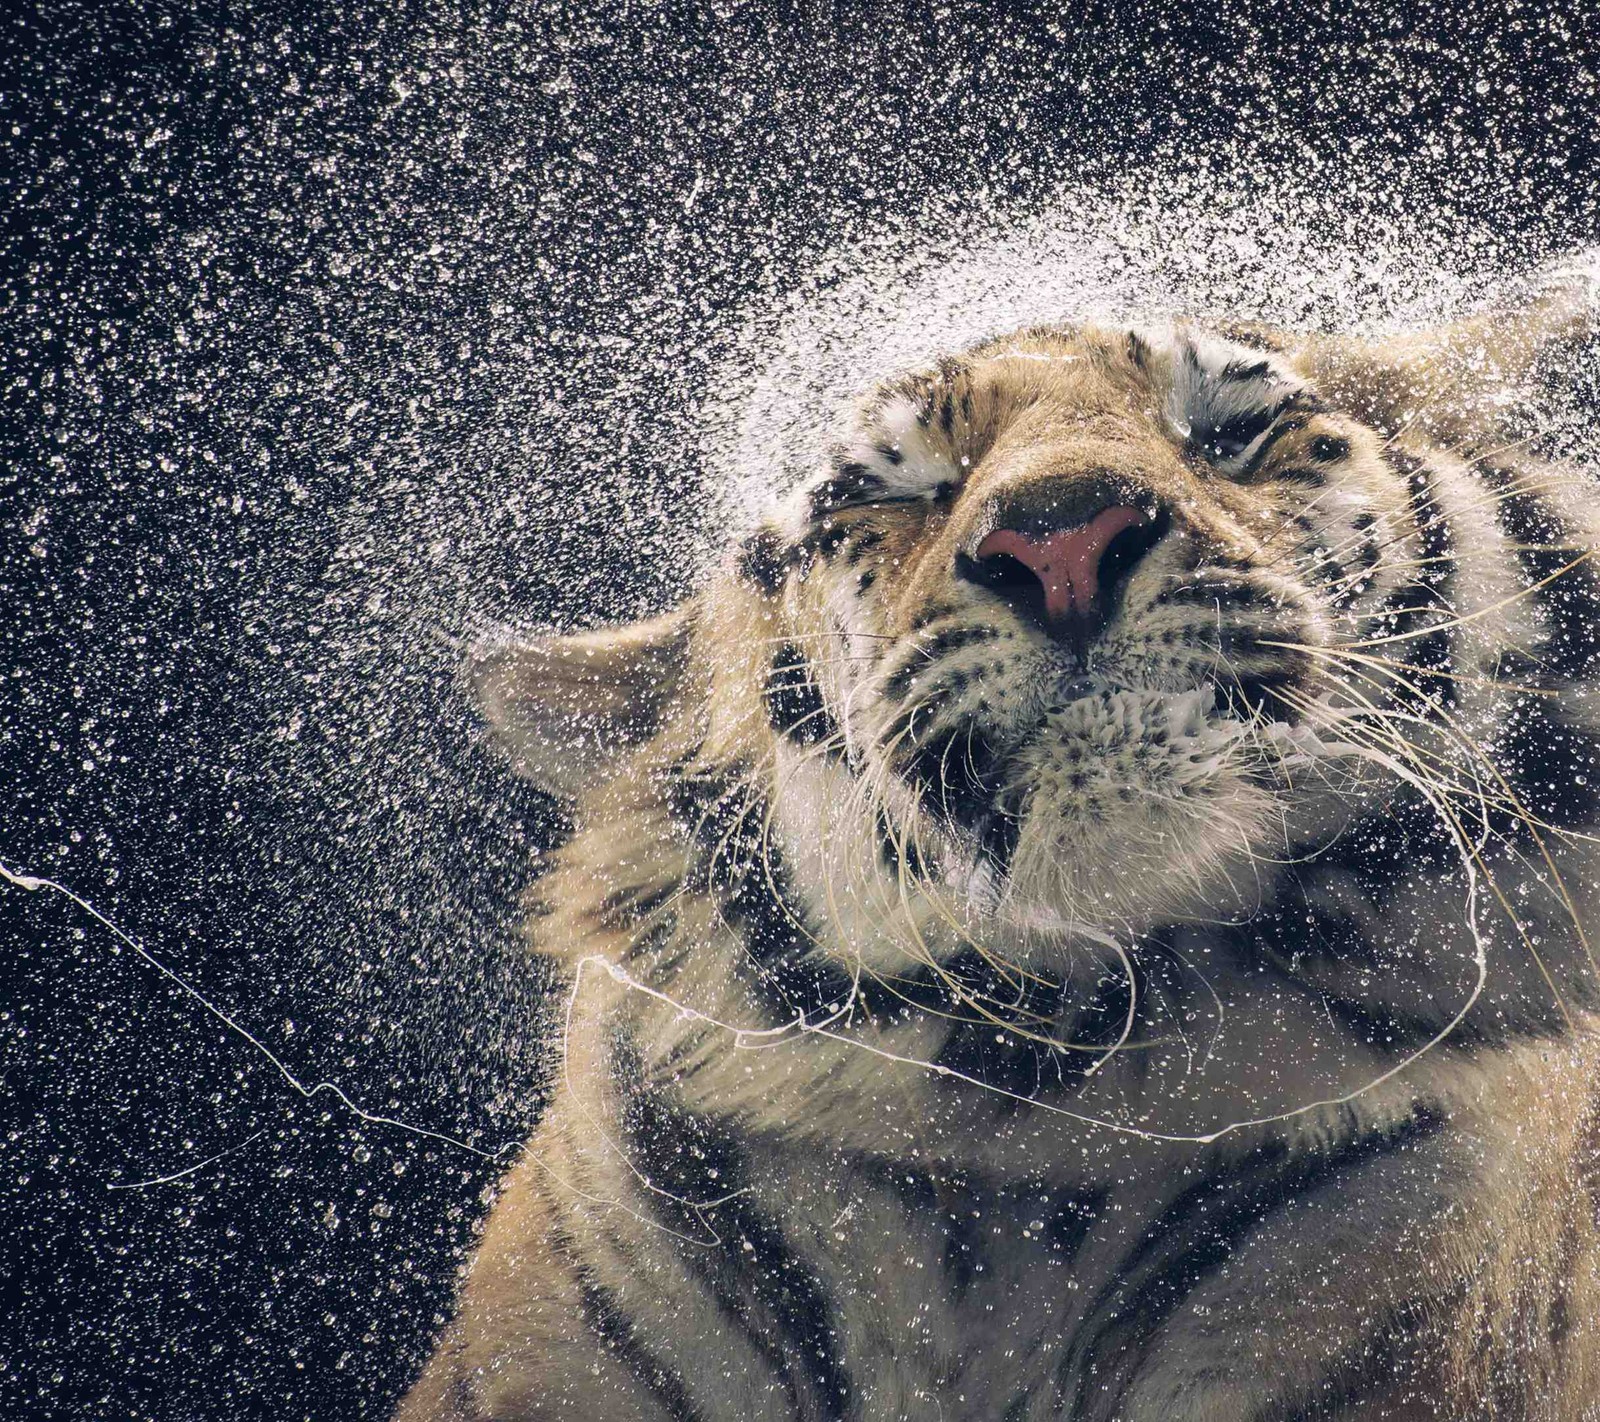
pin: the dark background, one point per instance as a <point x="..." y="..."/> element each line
<point x="327" y="334"/>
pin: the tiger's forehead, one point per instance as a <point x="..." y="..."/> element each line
<point x="1084" y="370"/>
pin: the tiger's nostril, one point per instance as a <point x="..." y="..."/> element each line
<point x="1075" y="568"/>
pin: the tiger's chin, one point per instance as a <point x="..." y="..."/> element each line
<point x="1125" y="808"/>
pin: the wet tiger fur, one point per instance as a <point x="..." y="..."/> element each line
<point x="1084" y="916"/>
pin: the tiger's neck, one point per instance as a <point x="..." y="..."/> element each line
<point x="694" y="934"/>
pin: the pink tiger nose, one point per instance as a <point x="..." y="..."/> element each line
<point x="1067" y="564"/>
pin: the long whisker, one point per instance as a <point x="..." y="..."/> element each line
<point x="1464" y="619"/>
<point x="1524" y="484"/>
<point x="1494" y="885"/>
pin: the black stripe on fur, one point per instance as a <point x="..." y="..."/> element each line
<point x="1406" y="837"/>
<point x="740" y="865"/>
<point x="821" y="542"/>
<point x="1284" y="427"/>
<point x="1363" y="560"/>
<point x="1190" y="1241"/>
<point x="761" y="1285"/>
<point x="1389" y="987"/>
<point x="863" y="544"/>
<point x="850" y="483"/>
<point x="1087" y="1011"/>
<point x="614" y="1328"/>
<point x="795" y="708"/>
<point x="1239" y="371"/>
<point x="762" y="1279"/>
<point x="1553" y="762"/>
<point x="1569" y="605"/>
<point x="1423" y="598"/>
<point x="957" y="773"/>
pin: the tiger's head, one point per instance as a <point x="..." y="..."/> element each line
<point x="1055" y="603"/>
<point x="1058" y="639"/>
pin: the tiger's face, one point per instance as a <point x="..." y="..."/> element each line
<point x="1086" y="637"/>
<point x="1055" y="623"/>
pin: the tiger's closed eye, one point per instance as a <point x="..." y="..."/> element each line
<point x="854" y="485"/>
<point x="1229" y="411"/>
<point x="1230" y="440"/>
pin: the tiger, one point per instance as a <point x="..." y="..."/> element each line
<point x="1084" y="912"/>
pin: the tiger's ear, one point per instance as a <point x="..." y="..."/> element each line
<point x="566" y="708"/>
<point x="1457" y="378"/>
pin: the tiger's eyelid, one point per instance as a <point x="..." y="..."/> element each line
<point x="869" y="499"/>
<point x="1285" y="417"/>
